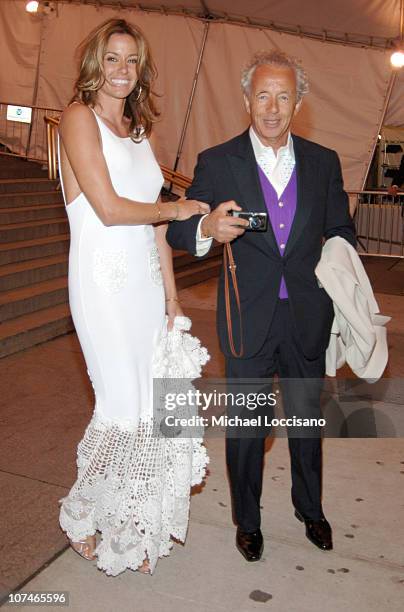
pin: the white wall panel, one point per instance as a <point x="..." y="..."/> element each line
<point x="174" y="41"/>
<point x="342" y="110"/>
<point x="19" y="48"/>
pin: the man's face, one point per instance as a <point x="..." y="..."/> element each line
<point x="272" y="103"/>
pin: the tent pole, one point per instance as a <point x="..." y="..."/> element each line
<point x="191" y="98"/>
<point x="36" y="87"/>
<point x="389" y="90"/>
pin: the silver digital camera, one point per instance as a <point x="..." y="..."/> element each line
<point x="258" y="221"/>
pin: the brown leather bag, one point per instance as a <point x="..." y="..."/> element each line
<point x="229" y="265"/>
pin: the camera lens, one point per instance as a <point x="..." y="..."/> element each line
<point x="255" y="222"/>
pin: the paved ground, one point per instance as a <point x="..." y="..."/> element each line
<point x="44" y="409"/>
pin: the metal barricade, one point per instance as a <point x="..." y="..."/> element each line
<point x="378" y="219"/>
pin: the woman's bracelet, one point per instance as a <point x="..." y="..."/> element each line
<point x="159" y="212"/>
<point x="176" y="206"/>
<point x="173" y="299"/>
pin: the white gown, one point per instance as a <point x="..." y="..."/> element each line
<point x="132" y="486"/>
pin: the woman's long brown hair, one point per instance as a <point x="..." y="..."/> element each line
<point x="139" y="106"/>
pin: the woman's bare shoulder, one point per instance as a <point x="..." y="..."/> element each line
<point x="76" y="114"/>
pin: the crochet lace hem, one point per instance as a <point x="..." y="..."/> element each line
<point x="133" y="487"/>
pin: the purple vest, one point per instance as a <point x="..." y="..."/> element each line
<point x="281" y="212"/>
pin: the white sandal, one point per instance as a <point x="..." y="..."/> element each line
<point x="80" y="548"/>
<point x="145" y="567"/>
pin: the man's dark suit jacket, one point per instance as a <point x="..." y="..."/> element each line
<point x="229" y="172"/>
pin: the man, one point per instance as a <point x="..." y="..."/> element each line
<point x="286" y="316"/>
<point x="398" y="179"/>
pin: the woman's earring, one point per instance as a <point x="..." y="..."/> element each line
<point x="138" y="135"/>
<point x="139" y="94"/>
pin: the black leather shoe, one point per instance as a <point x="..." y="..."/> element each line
<point x="250" y="544"/>
<point x="318" y="532"/>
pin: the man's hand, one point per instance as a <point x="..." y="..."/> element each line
<point x="221" y="226"/>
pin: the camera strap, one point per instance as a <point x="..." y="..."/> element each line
<point x="228" y="262"/>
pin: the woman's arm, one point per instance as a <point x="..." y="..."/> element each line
<point x="173" y="308"/>
<point x="80" y="138"/>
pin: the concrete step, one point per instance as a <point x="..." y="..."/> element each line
<point x="198" y="272"/>
<point x="31" y="285"/>
<point x="20" y="214"/>
<point x="11" y="161"/>
<point x="13" y="168"/>
<point x="30" y="198"/>
<point x="30" y="329"/>
<point x="23" y="250"/>
<point x="27" y="172"/>
<point x="17" y="302"/>
<point x="15" y="185"/>
<point x="24" y="273"/>
<point x="31" y="271"/>
<point x="33" y="229"/>
<point x="183" y="260"/>
<point x="34" y="294"/>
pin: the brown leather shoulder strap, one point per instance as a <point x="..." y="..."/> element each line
<point x="229" y="265"/>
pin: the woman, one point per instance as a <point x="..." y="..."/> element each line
<point x="121" y="285"/>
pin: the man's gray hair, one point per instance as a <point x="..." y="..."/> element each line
<point x="281" y="60"/>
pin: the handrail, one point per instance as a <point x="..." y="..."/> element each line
<point x="377" y="214"/>
<point x="371" y="192"/>
<point x="51" y="120"/>
<point x="171" y="176"/>
<point x="51" y="126"/>
<point x="177" y="179"/>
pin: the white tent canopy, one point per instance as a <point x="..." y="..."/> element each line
<point x="379" y="19"/>
<point x="348" y="83"/>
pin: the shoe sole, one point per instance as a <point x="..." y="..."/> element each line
<point x="240" y="550"/>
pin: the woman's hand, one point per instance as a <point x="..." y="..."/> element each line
<point x="173" y="309"/>
<point x="188" y="208"/>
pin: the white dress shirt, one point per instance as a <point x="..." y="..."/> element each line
<point x="277" y="167"/>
